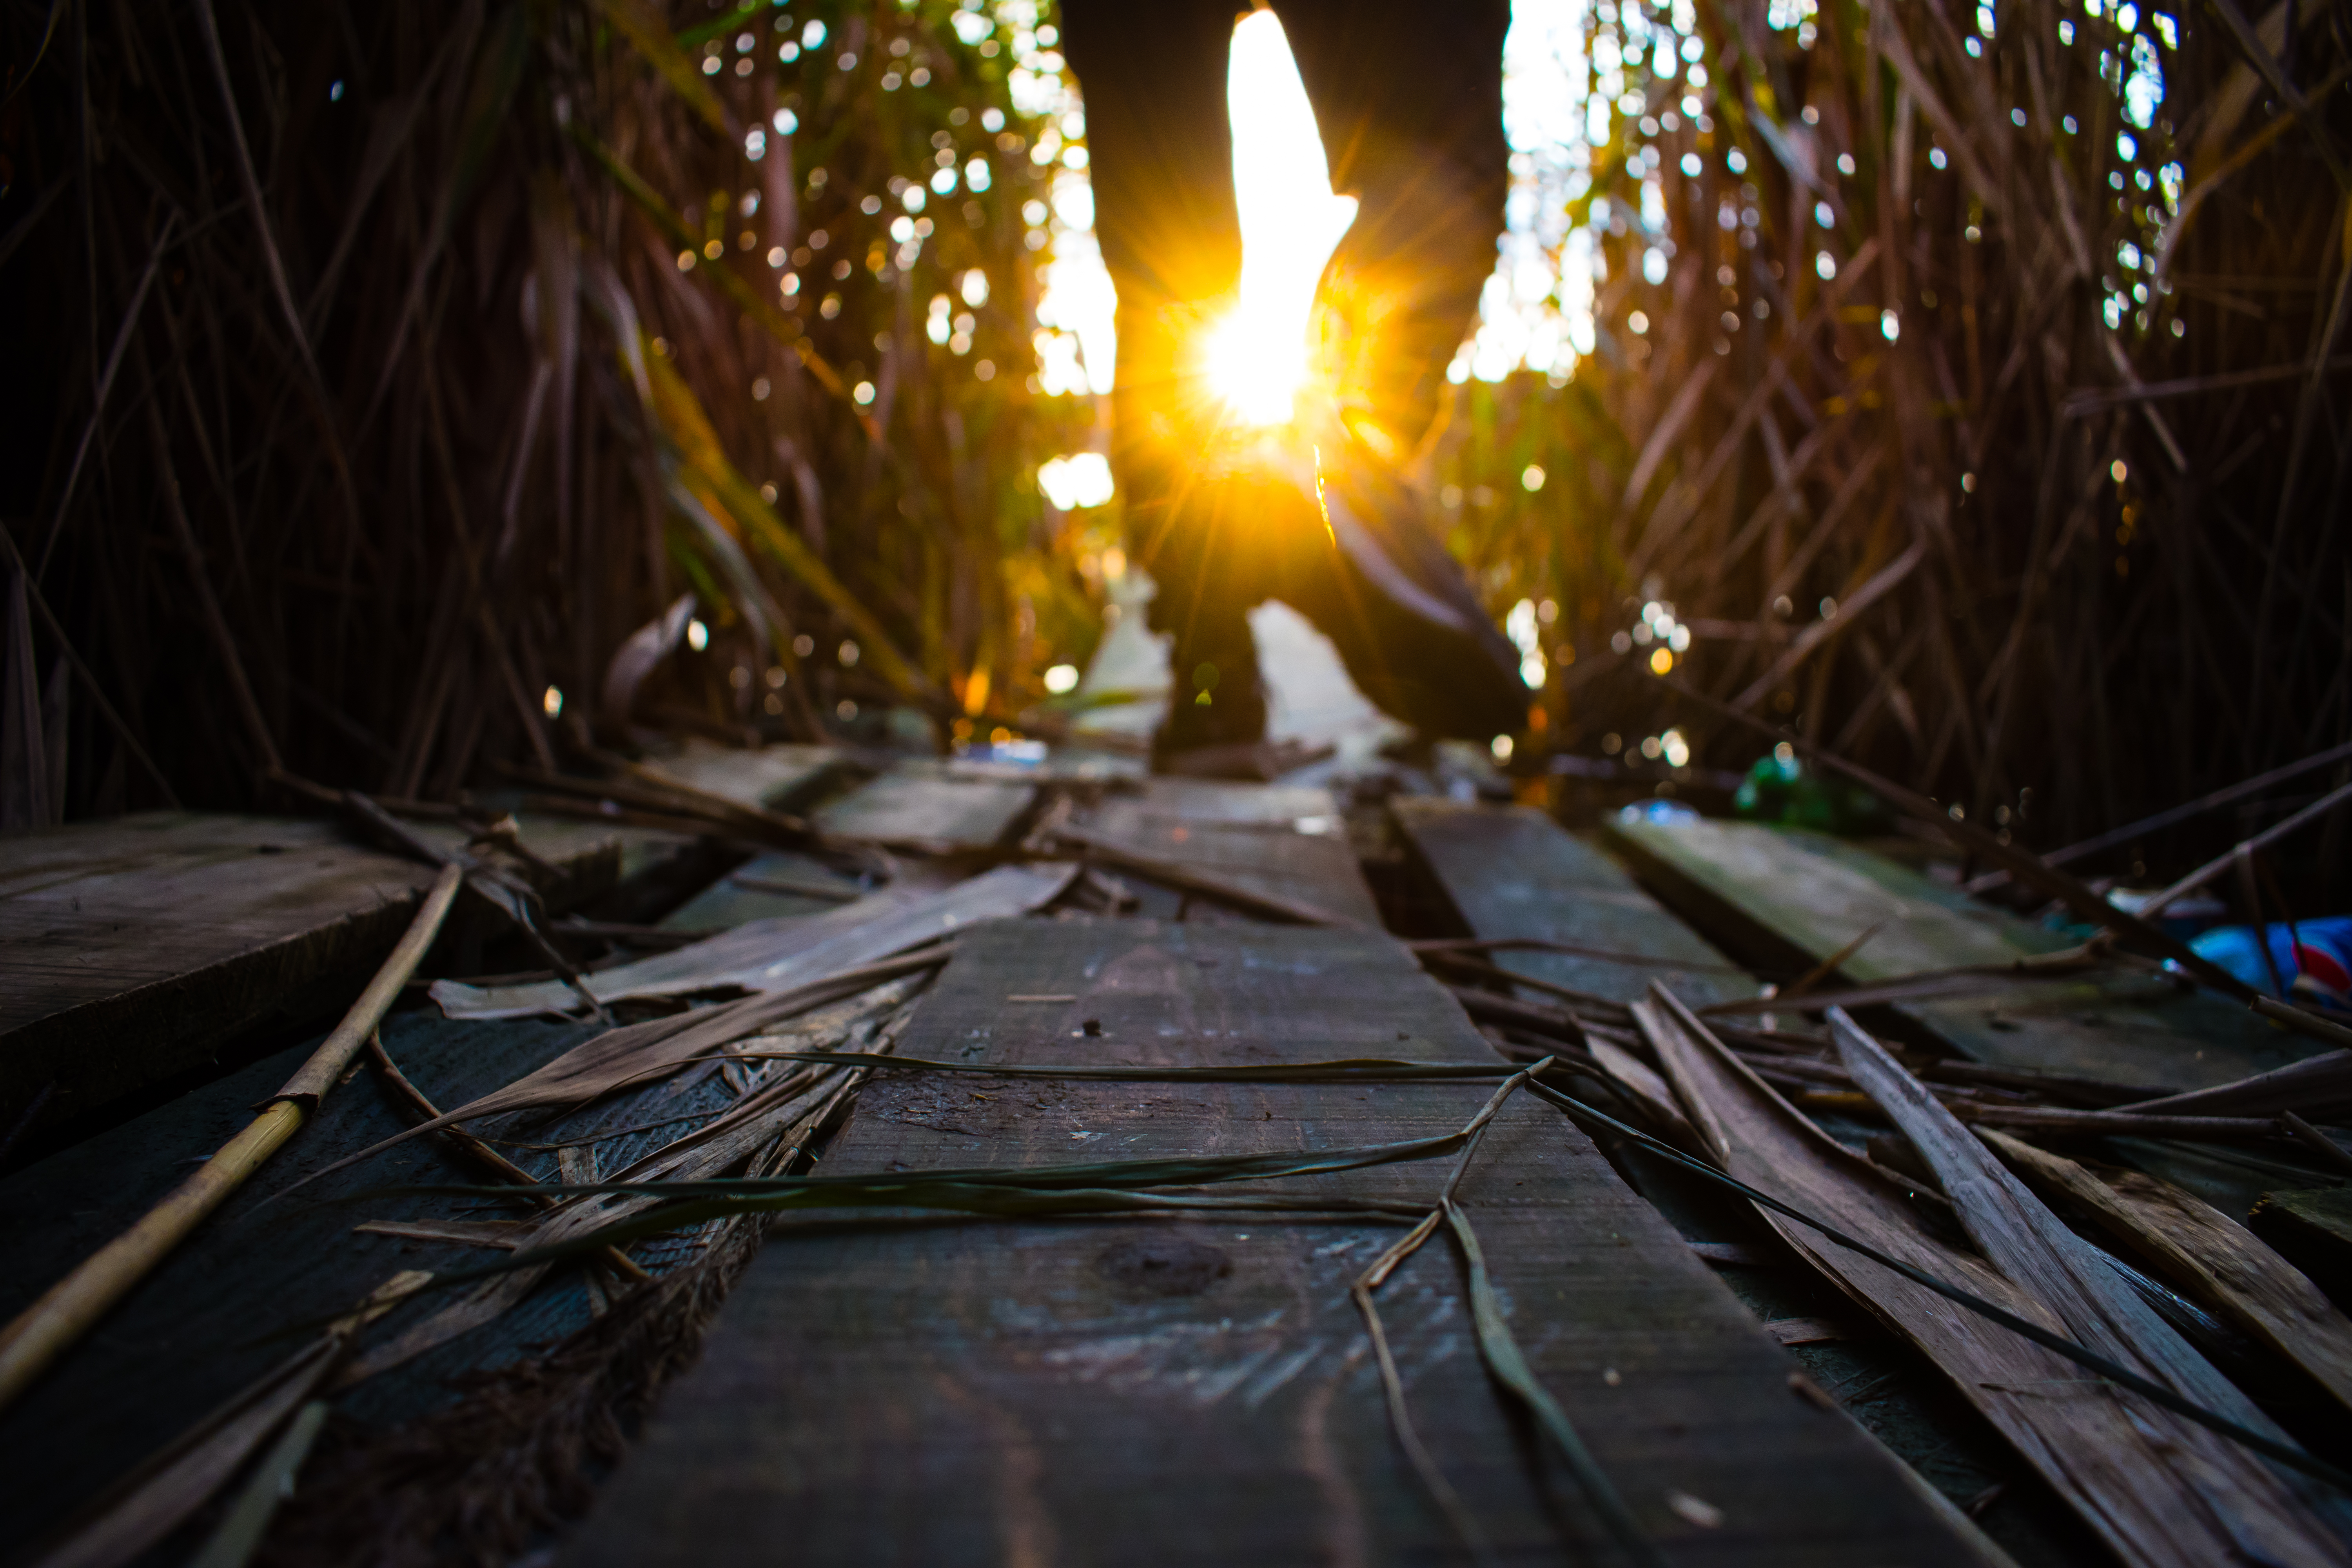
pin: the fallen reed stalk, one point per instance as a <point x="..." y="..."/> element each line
<point x="482" y="1155"/>
<point x="2282" y="1453"/>
<point x="2221" y="1262"/>
<point x="130" y="1517"/>
<point x="2229" y="795"/>
<point x="2263" y="840"/>
<point x="2318" y="1142"/>
<point x="2085" y="1296"/>
<point x="1424" y="1466"/>
<point x="508" y="895"/>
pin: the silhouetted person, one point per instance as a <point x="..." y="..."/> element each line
<point x="1408" y="98"/>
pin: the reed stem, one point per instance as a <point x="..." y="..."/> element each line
<point x="70" y="1308"/>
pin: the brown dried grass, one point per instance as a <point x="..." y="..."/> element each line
<point x="400" y="292"/>
<point x="443" y="465"/>
<point x="2020" y="632"/>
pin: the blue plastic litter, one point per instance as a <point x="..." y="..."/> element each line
<point x="2315" y="957"/>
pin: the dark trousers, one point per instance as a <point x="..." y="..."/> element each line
<point x="1407" y="96"/>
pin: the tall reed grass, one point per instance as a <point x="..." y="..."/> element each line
<point x="1969" y="389"/>
<point x="465" y="337"/>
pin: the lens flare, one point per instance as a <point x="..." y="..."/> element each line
<point x="1290" y="224"/>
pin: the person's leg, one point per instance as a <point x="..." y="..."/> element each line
<point x="1161" y="159"/>
<point x="1409" y="98"/>
<point x="1409" y="108"/>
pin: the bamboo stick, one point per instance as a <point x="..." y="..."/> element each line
<point x="68" y="1309"/>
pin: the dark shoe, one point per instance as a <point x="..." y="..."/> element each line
<point x="1413" y="636"/>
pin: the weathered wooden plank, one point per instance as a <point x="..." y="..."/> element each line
<point x="918" y="806"/>
<point x="1512" y="871"/>
<point x="1285" y="841"/>
<point x="1755" y="889"/>
<point x="779" y="777"/>
<point x="763" y="888"/>
<point x="1138" y="1393"/>
<point x="130" y="950"/>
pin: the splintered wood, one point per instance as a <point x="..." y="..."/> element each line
<point x="2225" y="1265"/>
<point x="1186" y="1392"/>
<point x="2158" y="1490"/>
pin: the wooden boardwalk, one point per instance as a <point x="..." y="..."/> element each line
<point x="909" y="1388"/>
<point x="1184" y="1392"/>
<point x="1146" y="1392"/>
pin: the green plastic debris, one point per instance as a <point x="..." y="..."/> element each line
<point x="1781" y="789"/>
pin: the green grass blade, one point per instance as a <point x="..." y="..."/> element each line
<point x="1509" y="1367"/>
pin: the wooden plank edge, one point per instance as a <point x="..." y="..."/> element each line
<point x="71" y="1073"/>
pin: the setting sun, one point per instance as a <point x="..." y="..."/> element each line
<point x="1290" y="224"/>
